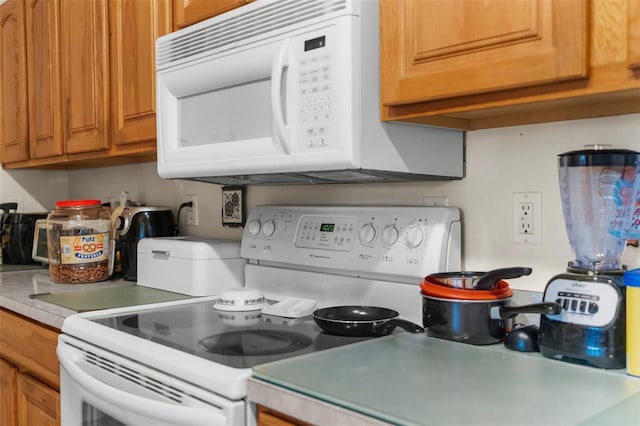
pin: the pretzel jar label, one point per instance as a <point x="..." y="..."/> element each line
<point x="88" y="248"/>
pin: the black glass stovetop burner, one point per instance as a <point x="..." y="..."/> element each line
<point x="234" y="339"/>
<point x="255" y="342"/>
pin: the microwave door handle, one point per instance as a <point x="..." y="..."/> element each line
<point x="160" y="411"/>
<point x="277" y="71"/>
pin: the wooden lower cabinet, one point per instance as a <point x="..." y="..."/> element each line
<point x="29" y="372"/>
<point x="8" y="394"/>
<point x="269" y="417"/>
<point x="38" y="404"/>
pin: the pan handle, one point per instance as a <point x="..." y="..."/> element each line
<point x="387" y="327"/>
<point x="504" y="312"/>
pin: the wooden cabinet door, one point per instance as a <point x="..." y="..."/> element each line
<point x="8" y="389"/>
<point x="38" y="404"/>
<point x="447" y="48"/>
<point x="188" y="12"/>
<point x="85" y="74"/>
<point x="13" y="84"/>
<point x="135" y="26"/>
<point x="270" y="417"/>
<point x="634" y="35"/>
<point x="43" y="71"/>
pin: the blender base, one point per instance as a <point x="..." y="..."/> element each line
<point x="591" y="329"/>
<point x="576" y="346"/>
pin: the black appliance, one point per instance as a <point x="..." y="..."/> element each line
<point x="132" y="225"/>
<point x="16" y="234"/>
<point x="598" y="188"/>
<point x="592" y="326"/>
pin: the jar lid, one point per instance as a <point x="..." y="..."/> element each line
<point x="77" y="203"/>
<point x="632" y="278"/>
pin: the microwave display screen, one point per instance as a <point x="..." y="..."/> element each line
<point x="227" y="114"/>
<point x="327" y="227"/>
<point x="314" y="43"/>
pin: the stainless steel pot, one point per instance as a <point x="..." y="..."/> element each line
<point x="478" y="317"/>
<point x="471" y="321"/>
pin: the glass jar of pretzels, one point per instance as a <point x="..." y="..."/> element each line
<point x="78" y="233"/>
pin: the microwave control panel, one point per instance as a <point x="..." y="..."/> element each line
<point x="315" y="99"/>
<point x="411" y="241"/>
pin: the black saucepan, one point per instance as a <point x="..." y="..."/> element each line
<point x="361" y="321"/>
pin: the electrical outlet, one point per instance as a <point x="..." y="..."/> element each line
<point x="527" y="218"/>
<point x="192" y="212"/>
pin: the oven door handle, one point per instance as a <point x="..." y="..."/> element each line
<point x="149" y="408"/>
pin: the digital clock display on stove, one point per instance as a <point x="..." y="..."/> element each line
<point x="327" y="227"/>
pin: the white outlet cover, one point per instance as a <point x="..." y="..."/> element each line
<point x="536" y="236"/>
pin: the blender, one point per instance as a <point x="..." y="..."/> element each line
<point x="598" y="188"/>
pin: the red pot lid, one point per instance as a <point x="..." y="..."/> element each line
<point x="500" y="291"/>
<point x="77" y="203"/>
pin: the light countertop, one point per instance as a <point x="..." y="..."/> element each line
<point x="412" y="379"/>
<point x="16" y="287"/>
<point x="55" y="301"/>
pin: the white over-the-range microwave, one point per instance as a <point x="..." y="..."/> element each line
<point x="288" y="91"/>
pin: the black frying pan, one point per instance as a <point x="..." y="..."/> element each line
<point x="361" y="321"/>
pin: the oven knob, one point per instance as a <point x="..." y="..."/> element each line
<point x="390" y="235"/>
<point x="254" y="227"/>
<point x="268" y="228"/>
<point x="415" y="237"/>
<point x="367" y="234"/>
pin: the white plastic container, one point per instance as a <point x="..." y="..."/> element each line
<point x="192" y="266"/>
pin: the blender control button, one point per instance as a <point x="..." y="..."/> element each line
<point x="574" y="305"/>
<point x="593" y="308"/>
<point x="559" y="301"/>
<point x="583" y="305"/>
<point x="565" y="304"/>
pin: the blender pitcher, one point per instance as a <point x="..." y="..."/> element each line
<point x="598" y="190"/>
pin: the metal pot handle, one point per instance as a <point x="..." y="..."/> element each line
<point x="504" y="312"/>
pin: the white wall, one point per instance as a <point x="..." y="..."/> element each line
<point x="35" y="191"/>
<point x="499" y="162"/>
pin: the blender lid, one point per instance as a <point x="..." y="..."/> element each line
<point x="598" y="156"/>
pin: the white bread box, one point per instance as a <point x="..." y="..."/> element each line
<point x="188" y="265"/>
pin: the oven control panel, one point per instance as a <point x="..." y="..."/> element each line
<point x="405" y="241"/>
<point x="589" y="303"/>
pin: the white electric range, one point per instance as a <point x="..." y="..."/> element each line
<point x="186" y="363"/>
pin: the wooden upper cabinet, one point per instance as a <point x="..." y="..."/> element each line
<point x="85" y="74"/>
<point x="43" y="71"/>
<point x="188" y="12"/>
<point x="480" y="64"/>
<point x="634" y="35"/>
<point x="444" y="48"/>
<point x="135" y="26"/>
<point x="13" y="83"/>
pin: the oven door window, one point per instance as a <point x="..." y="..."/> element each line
<point x="91" y="416"/>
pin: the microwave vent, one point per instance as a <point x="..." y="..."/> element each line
<point x="225" y="32"/>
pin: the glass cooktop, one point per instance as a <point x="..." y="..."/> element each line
<point x="234" y="339"/>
